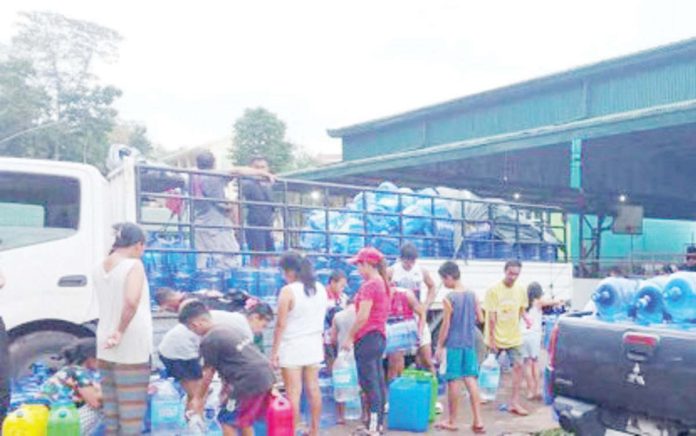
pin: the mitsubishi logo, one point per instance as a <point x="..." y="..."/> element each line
<point x="635" y="377"/>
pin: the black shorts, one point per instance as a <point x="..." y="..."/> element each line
<point x="259" y="240"/>
<point x="183" y="369"/>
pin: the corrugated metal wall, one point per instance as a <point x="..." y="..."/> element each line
<point x="640" y="86"/>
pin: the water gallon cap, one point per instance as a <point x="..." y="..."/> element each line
<point x="62" y="414"/>
<point x="673" y="293"/>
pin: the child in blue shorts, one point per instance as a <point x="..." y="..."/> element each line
<point x="461" y="312"/>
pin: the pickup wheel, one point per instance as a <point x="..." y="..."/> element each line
<point x="39" y="346"/>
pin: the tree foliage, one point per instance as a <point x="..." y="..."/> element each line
<point x="259" y="132"/>
<point x="61" y="109"/>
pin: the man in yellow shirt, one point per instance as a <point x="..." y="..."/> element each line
<point x="505" y="303"/>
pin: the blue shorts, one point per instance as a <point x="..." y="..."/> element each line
<point x="183" y="369"/>
<point x="461" y="362"/>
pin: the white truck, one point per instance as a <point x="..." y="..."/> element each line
<point x="55" y="225"/>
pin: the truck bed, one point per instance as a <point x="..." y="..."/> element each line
<point x="639" y="371"/>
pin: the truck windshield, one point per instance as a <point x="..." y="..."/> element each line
<point x="36" y="208"/>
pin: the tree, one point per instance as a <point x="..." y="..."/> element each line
<point x="23" y="110"/>
<point x="132" y="134"/>
<point x="260" y="132"/>
<point x="62" y="52"/>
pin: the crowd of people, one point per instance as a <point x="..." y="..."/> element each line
<point x="313" y="324"/>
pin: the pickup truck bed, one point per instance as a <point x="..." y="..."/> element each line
<point x="621" y="375"/>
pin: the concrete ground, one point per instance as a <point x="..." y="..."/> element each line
<point x="497" y="422"/>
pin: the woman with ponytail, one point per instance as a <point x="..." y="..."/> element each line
<point x="298" y="347"/>
<point x="368" y="334"/>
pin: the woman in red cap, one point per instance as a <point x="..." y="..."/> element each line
<point x="368" y="334"/>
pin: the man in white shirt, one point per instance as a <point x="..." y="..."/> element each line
<point x="180" y="347"/>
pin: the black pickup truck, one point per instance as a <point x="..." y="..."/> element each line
<point x="622" y="376"/>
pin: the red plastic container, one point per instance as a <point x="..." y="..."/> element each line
<point x="279" y="418"/>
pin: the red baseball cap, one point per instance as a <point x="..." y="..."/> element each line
<point x="367" y="255"/>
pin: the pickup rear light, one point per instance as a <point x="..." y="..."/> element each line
<point x="647" y="340"/>
<point x="553" y="341"/>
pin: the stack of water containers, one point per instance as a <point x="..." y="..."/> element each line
<point x="665" y="299"/>
<point x="178" y="270"/>
<point x="427" y="223"/>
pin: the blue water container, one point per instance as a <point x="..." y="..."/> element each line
<point x="680" y="297"/>
<point x="354" y="282"/>
<point x="183" y="281"/>
<point x="246" y="279"/>
<point x="210" y="279"/>
<point x="166" y="411"/>
<point x="409" y="405"/>
<point x="530" y="251"/>
<point x="549" y="252"/>
<point x="503" y="250"/>
<point x="268" y="285"/>
<point x="613" y="298"/>
<point x="649" y="304"/>
<point x="323" y="276"/>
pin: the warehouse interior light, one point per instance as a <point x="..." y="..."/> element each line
<point x="516" y="195"/>
<point x="623" y="198"/>
<point x="316" y="195"/>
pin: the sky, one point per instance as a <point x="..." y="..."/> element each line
<point x="189" y="69"/>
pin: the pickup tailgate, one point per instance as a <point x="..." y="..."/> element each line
<point x="649" y="371"/>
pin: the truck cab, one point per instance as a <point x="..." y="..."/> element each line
<point x="53" y="219"/>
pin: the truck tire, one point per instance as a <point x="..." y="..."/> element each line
<point x="38" y="346"/>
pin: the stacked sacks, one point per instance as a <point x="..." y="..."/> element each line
<point x="425" y="222"/>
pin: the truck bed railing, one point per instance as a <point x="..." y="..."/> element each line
<point x="347" y="216"/>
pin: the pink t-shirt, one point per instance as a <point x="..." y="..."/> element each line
<point x="373" y="290"/>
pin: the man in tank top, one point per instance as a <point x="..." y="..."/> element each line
<point x="407" y="273"/>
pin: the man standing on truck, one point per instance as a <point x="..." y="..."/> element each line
<point x="690" y="264"/>
<point x="217" y="234"/>
<point x="259" y="215"/>
<point x="505" y="304"/>
<point x="4" y="365"/>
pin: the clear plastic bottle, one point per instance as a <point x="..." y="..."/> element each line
<point x="345" y="377"/>
<point x="489" y="378"/>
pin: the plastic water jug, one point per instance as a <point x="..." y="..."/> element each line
<point x="212" y="425"/>
<point x="268" y="285"/>
<point x="247" y="279"/>
<point x="680" y="297"/>
<point x="353" y="409"/>
<point x="430" y="378"/>
<point x="427" y="377"/>
<point x="402" y="335"/>
<point x="279" y="418"/>
<point x="409" y="405"/>
<point x="345" y="377"/>
<point x="328" y="404"/>
<point x="649" y="305"/>
<point x="354" y="282"/>
<point x="613" y="298"/>
<point x="166" y="409"/>
<point x="24" y="422"/>
<point x="64" y="420"/>
<point x="489" y="377"/>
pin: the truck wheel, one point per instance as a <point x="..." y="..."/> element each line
<point x="38" y="346"/>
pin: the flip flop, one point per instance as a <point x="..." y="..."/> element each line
<point x="478" y="429"/>
<point x="518" y="412"/>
